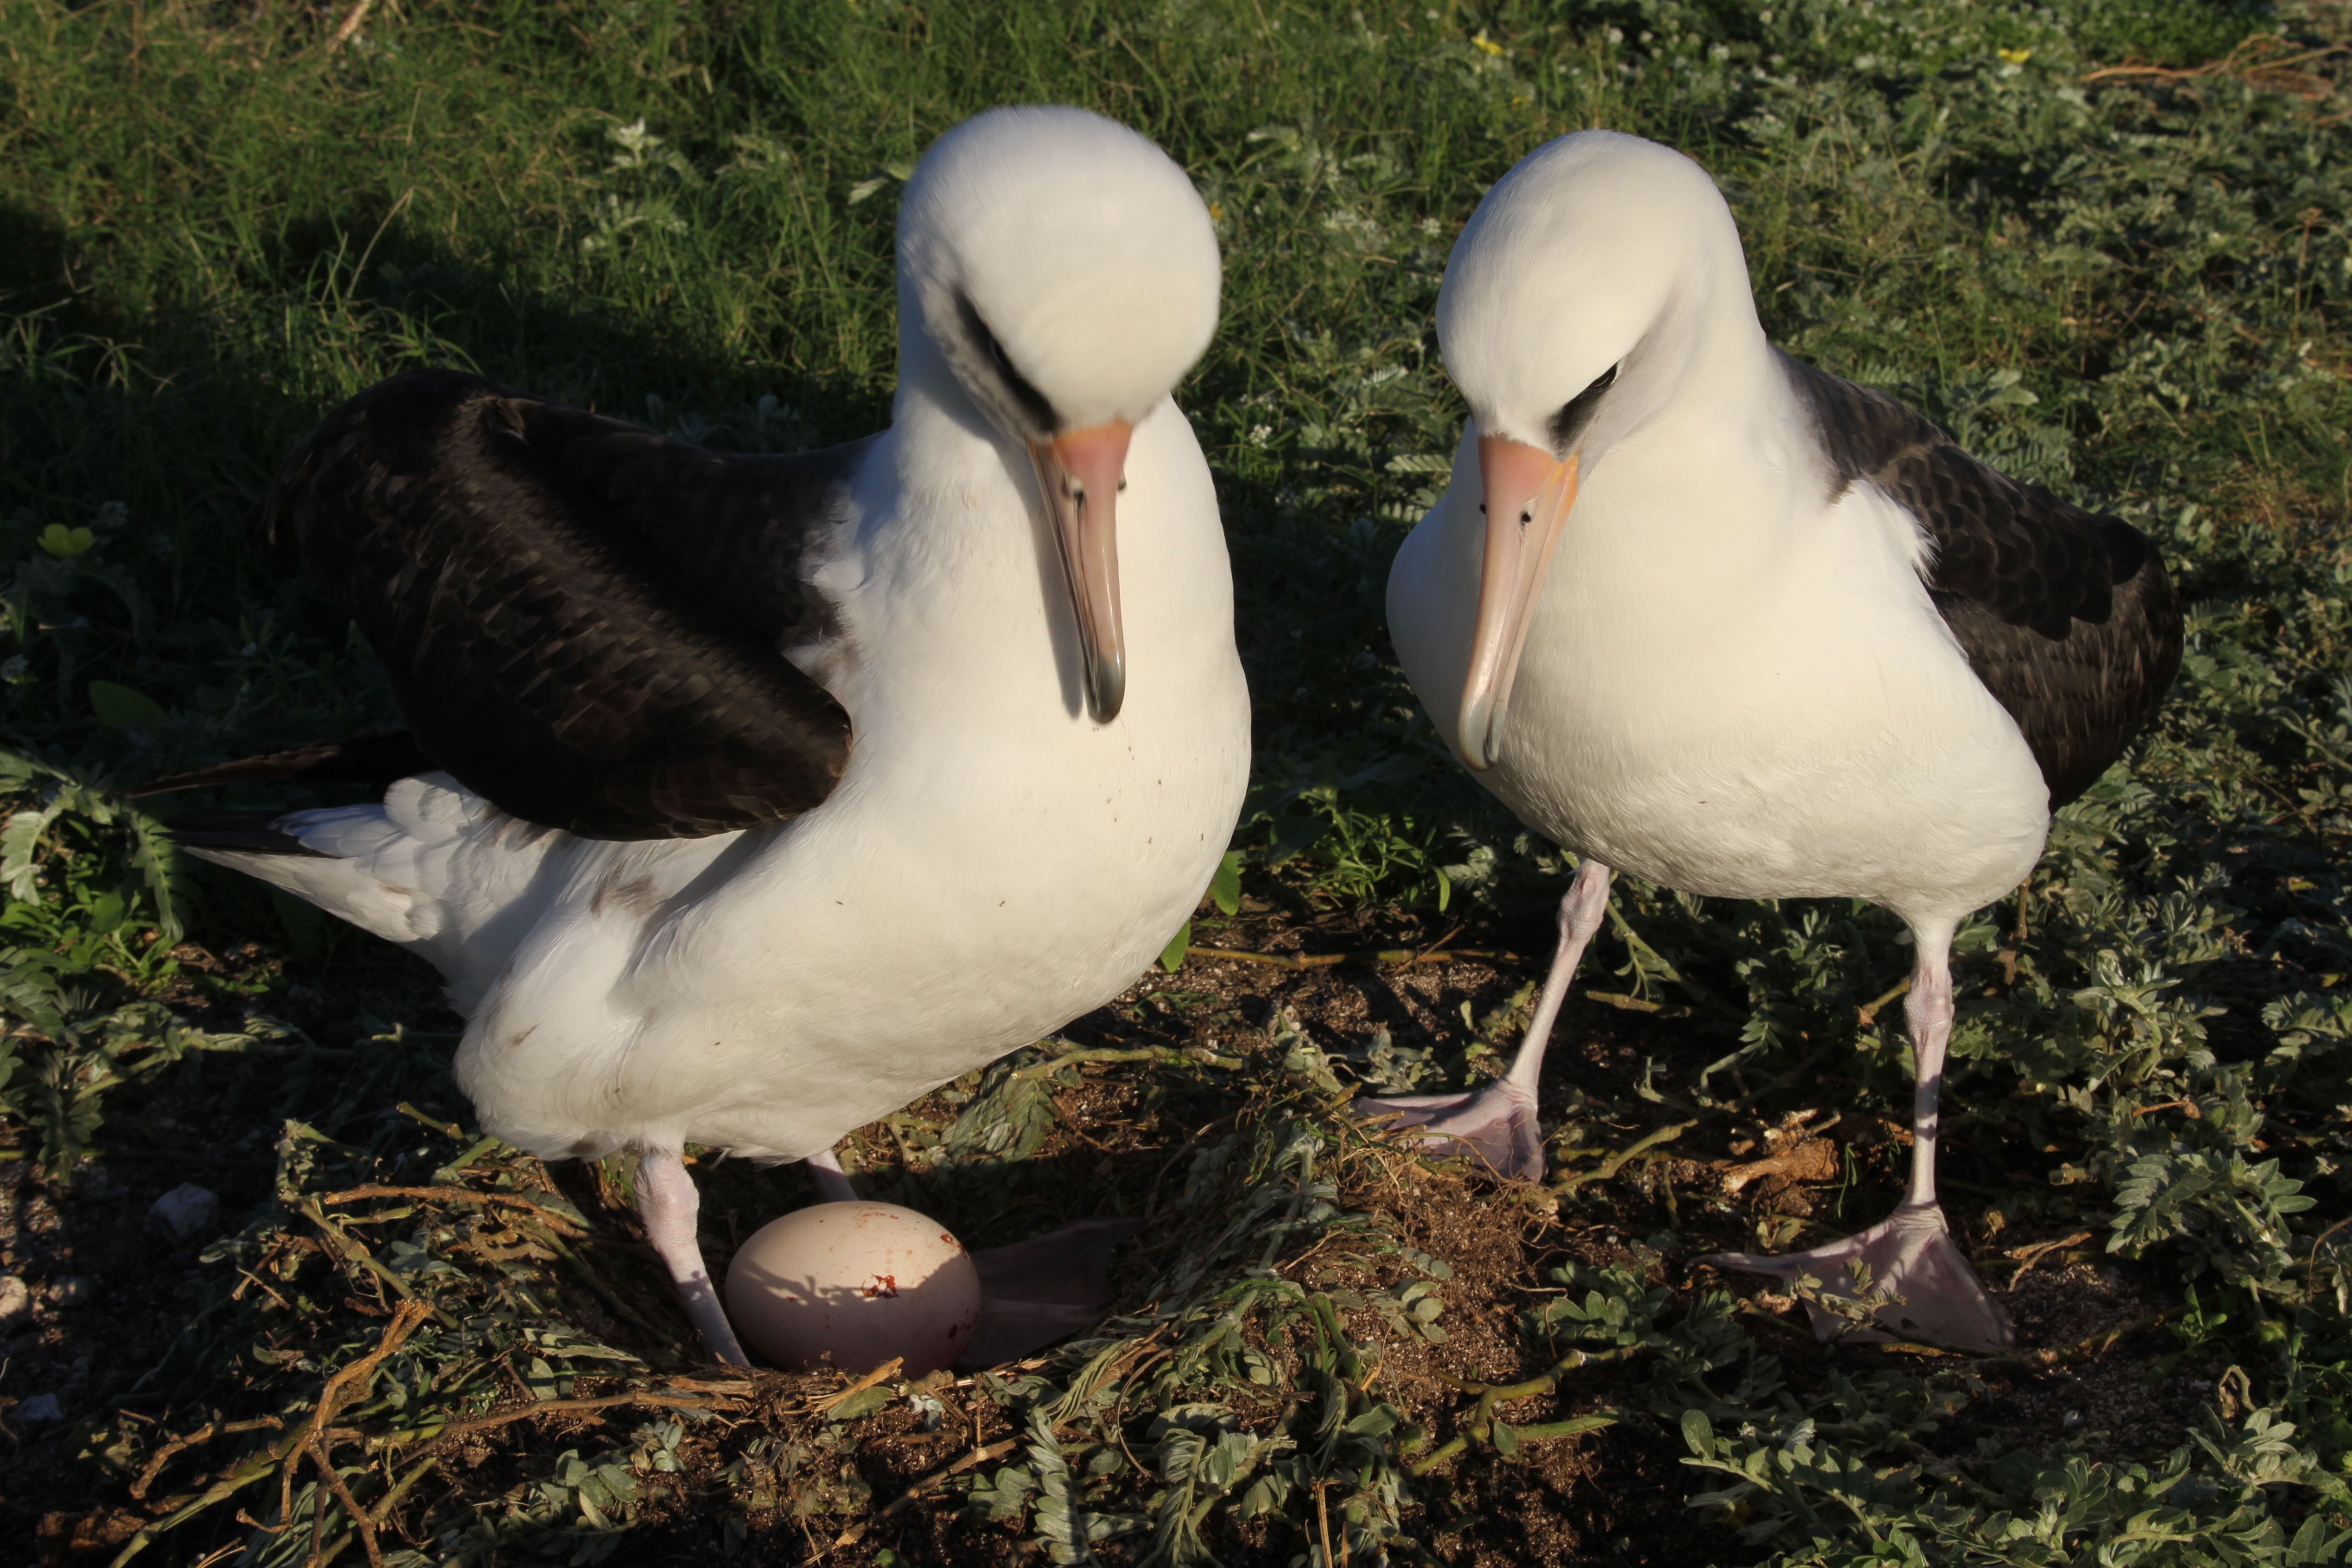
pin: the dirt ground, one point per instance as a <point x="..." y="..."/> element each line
<point x="109" y="1288"/>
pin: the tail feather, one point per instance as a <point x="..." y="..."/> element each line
<point x="441" y="872"/>
<point x="380" y="760"/>
<point x="236" y="833"/>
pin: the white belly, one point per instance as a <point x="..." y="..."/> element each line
<point x="1797" y="725"/>
<point x="992" y="865"/>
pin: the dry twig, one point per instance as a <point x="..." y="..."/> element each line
<point x="548" y="1218"/>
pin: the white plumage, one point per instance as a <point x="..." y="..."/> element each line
<point x="1698" y="611"/>
<point x="995" y="859"/>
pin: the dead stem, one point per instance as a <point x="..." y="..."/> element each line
<point x="1395" y="955"/>
<point x="204" y="1434"/>
<point x="457" y="1195"/>
<point x="558" y="1407"/>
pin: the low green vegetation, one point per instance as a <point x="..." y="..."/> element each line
<point x="2108" y="245"/>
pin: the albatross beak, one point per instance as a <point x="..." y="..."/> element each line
<point x="1081" y="473"/>
<point x="1528" y="493"/>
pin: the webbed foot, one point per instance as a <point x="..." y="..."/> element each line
<point x="1494" y="1125"/>
<point x="1910" y="1254"/>
<point x="1034" y="1291"/>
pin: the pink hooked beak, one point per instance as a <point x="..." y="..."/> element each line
<point x="1081" y="472"/>
<point x="1529" y="494"/>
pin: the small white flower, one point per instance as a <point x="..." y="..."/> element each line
<point x="1617" y="35"/>
<point x="1258" y="434"/>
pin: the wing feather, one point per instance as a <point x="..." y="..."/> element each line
<point x="581" y="620"/>
<point x="2066" y="615"/>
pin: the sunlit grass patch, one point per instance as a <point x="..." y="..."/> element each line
<point x="2106" y="244"/>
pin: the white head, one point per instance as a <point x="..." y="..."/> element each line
<point x="1067" y="272"/>
<point x="1575" y="305"/>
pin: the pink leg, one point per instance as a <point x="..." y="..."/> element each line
<point x="1497" y="1123"/>
<point x="832" y="1182"/>
<point x="668" y="1200"/>
<point x="1909" y="1254"/>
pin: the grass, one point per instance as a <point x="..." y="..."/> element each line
<point x="2108" y="244"/>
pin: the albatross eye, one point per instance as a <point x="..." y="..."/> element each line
<point x="1032" y="402"/>
<point x="1576" y="413"/>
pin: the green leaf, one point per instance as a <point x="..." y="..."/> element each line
<point x="1698" y="1433"/>
<point x="120" y="708"/>
<point x="865" y="1401"/>
<point x="65" y="543"/>
<point x="1171" y="957"/>
<point x="1225" y="886"/>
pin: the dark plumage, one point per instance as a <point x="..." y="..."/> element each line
<point x="237" y="832"/>
<point x="2066" y="615"/>
<point x="378" y="760"/>
<point x="580" y="619"/>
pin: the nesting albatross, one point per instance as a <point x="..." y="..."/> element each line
<point x="745" y="799"/>
<point x="1700" y="612"/>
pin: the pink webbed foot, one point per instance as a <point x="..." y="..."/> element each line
<point x="1035" y="1292"/>
<point x="1494" y="1125"/>
<point x="1910" y="1256"/>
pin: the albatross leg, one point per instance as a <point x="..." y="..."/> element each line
<point x="1910" y="1254"/>
<point x="832" y="1182"/>
<point x="668" y="1200"/>
<point x="1497" y="1123"/>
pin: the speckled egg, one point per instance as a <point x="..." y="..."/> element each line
<point x="863" y="1282"/>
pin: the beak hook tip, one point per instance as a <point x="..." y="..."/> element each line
<point x="1475" y="738"/>
<point x="1105" y="693"/>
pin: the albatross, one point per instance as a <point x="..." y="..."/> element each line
<point x="746" y="798"/>
<point x="1701" y="613"/>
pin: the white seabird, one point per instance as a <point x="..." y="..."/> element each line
<point x="745" y="799"/>
<point x="1699" y="612"/>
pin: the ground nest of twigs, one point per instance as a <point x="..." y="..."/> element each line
<point x="404" y="1343"/>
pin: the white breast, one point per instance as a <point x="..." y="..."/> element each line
<point x="992" y="863"/>
<point x="1732" y="688"/>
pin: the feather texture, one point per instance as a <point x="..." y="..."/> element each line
<point x="2066" y="615"/>
<point x="582" y="621"/>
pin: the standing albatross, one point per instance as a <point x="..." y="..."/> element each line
<point x="747" y="798"/>
<point x="1702" y="613"/>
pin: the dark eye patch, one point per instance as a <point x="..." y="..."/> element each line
<point x="1032" y="402"/>
<point x="1576" y="413"/>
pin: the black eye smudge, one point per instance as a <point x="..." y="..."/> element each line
<point x="1577" y="412"/>
<point x="1032" y="401"/>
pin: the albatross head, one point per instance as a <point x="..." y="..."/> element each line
<point x="1572" y="310"/>
<point x="1067" y="272"/>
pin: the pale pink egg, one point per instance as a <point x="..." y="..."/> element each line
<point x="864" y="1281"/>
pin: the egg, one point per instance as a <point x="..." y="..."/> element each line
<point x="860" y="1280"/>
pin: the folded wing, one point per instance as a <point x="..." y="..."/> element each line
<point x="581" y="620"/>
<point x="2066" y="615"/>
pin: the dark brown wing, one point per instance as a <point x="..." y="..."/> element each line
<point x="580" y="618"/>
<point x="2066" y="615"/>
<point x="378" y="760"/>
